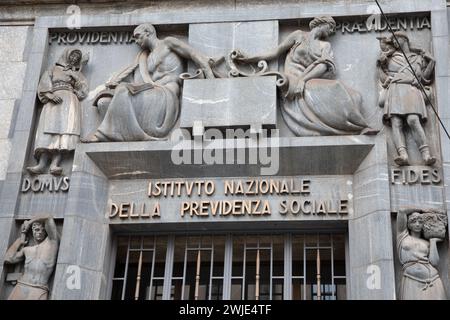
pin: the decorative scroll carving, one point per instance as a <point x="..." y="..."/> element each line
<point x="40" y="258"/>
<point x="60" y="90"/>
<point x="401" y="98"/>
<point x="235" y="71"/>
<point x="418" y="232"/>
<point x="142" y="101"/>
<point x="199" y="74"/>
<point x="313" y="103"/>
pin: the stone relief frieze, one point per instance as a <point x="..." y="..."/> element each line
<point x="314" y="103"/>
<point x="141" y="102"/>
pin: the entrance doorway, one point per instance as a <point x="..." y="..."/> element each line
<point x="231" y="266"/>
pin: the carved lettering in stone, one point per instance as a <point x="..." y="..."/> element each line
<point x="91" y="37"/>
<point x="415" y="175"/>
<point x="378" y="24"/>
<point x="43" y="184"/>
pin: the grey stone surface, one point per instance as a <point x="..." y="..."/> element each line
<point x="12" y="42"/>
<point x="90" y="237"/>
<point x="371" y="190"/>
<point x="439" y="22"/>
<point x="26" y="111"/>
<point x="220" y="39"/>
<point x="440" y="51"/>
<point x="20" y="142"/>
<point x="33" y="71"/>
<point x="370" y="246"/>
<point x="39" y="42"/>
<point x="11" y="79"/>
<point x="238" y="102"/>
<point x="9" y="194"/>
<point x="6" y="113"/>
<point x="87" y="197"/>
<point x="358" y="286"/>
<point x="441" y="96"/>
<point x="371" y="225"/>
<point x="429" y="196"/>
<point x="296" y="155"/>
<point x="7" y="225"/>
<point x="5" y="146"/>
<point x="91" y="283"/>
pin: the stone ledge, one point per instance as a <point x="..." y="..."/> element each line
<point x="338" y="155"/>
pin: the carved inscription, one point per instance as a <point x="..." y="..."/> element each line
<point x="237" y="197"/>
<point x="376" y="23"/>
<point x="44" y="183"/>
<point x="91" y="37"/>
<point x="415" y="175"/>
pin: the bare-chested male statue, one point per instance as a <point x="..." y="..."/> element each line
<point x="40" y="259"/>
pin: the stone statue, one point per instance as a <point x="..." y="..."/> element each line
<point x="315" y="104"/>
<point x="60" y="90"/>
<point x="418" y="232"/>
<point x="40" y="259"/>
<point x="142" y="101"/>
<point x="401" y="98"/>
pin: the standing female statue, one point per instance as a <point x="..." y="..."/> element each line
<point x="313" y="103"/>
<point x="418" y="256"/>
<point x="60" y="89"/>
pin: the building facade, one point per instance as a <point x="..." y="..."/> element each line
<point x="213" y="151"/>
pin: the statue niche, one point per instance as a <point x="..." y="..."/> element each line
<point x="39" y="259"/>
<point x="418" y="232"/>
<point x="142" y="101"/>
<point x="60" y="90"/>
<point x="401" y="98"/>
<point x="314" y="104"/>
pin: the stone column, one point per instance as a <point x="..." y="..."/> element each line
<point x="371" y="257"/>
<point x="84" y="254"/>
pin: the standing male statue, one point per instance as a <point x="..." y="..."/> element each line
<point x="401" y="97"/>
<point x="40" y="259"/>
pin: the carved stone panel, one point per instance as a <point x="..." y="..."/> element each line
<point x="235" y="102"/>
